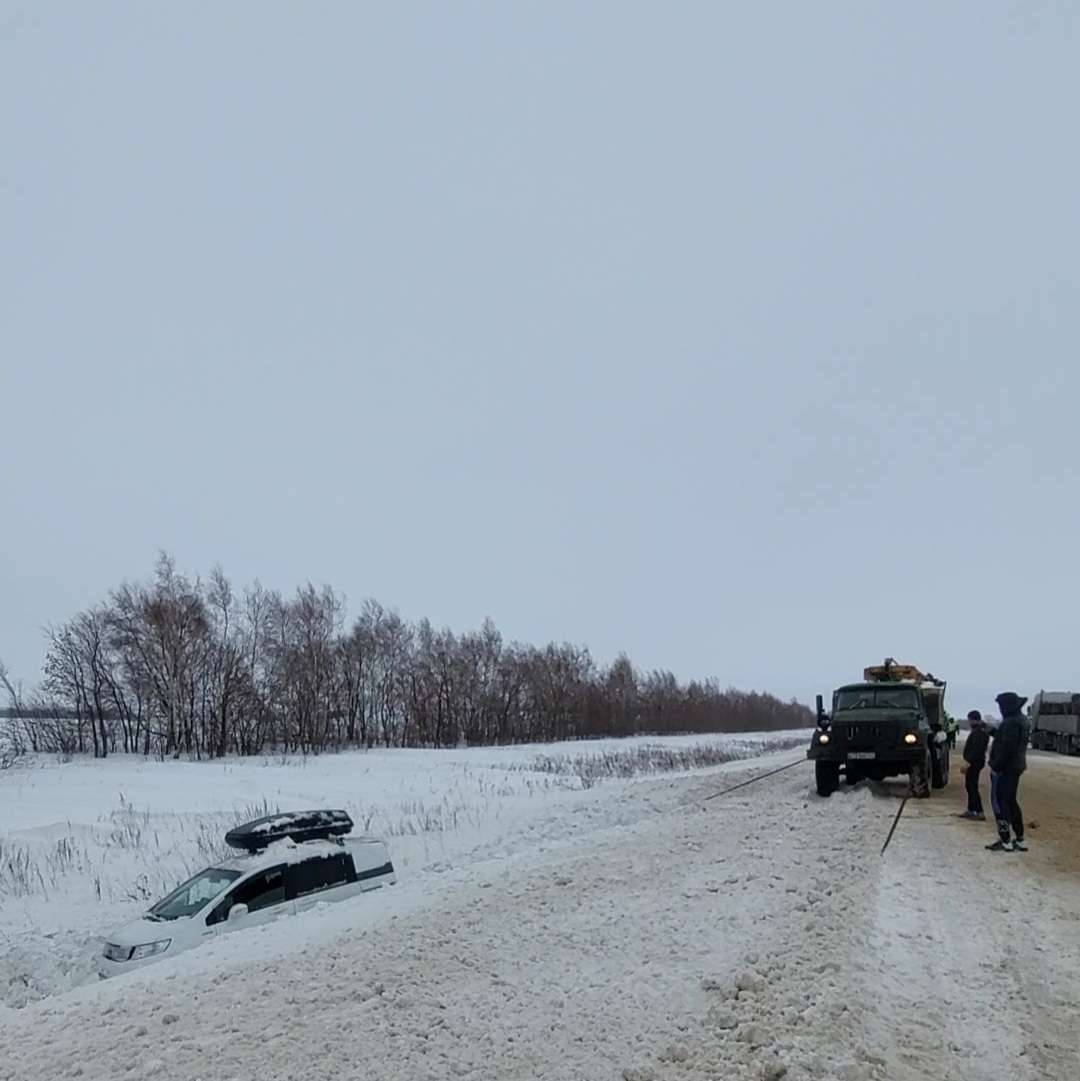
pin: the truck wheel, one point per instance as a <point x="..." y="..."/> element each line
<point x="827" y="775"/>
<point x="939" y="769"/>
<point x="920" y="778"/>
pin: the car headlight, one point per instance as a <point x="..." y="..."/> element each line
<point x="150" y="949"/>
<point x="911" y="738"/>
<point x="823" y="737"/>
<point x="112" y="952"/>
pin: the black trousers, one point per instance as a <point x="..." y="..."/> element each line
<point x="971" y="783"/>
<point x="1011" y="815"/>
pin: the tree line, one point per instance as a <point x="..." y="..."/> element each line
<point x="176" y="666"/>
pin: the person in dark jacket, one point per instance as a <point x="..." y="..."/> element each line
<point x="974" y="762"/>
<point x="1008" y="759"/>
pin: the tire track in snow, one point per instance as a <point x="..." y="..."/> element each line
<point x="939" y="990"/>
<point x="1004" y="993"/>
<point x="913" y="967"/>
<point x="792" y="1012"/>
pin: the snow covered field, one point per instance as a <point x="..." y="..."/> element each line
<point x="631" y="930"/>
<point x="88" y="844"/>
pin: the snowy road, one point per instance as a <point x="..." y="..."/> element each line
<point x="758" y="935"/>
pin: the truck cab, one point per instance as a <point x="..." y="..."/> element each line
<point x="891" y="724"/>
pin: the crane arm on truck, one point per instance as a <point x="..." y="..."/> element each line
<point x="891" y="672"/>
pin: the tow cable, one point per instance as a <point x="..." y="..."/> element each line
<point x="895" y="821"/>
<point x="792" y="765"/>
<point x="759" y="777"/>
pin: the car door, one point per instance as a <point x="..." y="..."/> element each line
<point x="264" y="895"/>
<point x="322" y="878"/>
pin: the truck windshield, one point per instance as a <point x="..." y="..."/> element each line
<point x="877" y="698"/>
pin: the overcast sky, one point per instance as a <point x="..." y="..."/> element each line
<point x="740" y="337"/>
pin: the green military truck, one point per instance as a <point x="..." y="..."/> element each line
<point x="891" y="724"/>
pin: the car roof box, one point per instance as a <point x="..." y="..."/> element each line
<point x="298" y="826"/>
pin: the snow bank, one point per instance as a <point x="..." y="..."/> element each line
<point x="637" y="933"/>
<point x="88" y="845"/>
<point x="584" y="949"/>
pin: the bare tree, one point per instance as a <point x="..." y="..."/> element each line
<point x="11" y="746"/>
<point x="161" y="629"/>
<point x="224" y="657"/>
<point x="185" y="666"/>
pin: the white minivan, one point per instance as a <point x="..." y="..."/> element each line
<point x="293" y="862"/>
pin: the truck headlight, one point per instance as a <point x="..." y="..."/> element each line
<point x="150" y="949"/>
<point x="823" y="737"/>
<point x="911" y="738"/>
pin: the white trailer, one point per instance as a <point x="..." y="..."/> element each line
<point x="1055" y="722"/>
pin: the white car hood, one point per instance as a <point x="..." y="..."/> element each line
<point x="139" y="932"/>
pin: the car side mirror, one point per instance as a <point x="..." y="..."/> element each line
<point x="237" y="912"/>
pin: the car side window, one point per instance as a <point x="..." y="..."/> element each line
<point x="315" y="875"/>
<point x="260" y="891"/>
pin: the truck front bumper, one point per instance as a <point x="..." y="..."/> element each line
<point x="909" y="755"/>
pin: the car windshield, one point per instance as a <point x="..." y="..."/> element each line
<point x="857" y="698"/>
<point x="188" y="898"/>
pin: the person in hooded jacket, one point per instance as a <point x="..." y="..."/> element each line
<point x="1008" y="759"/>
<point x="974" y="762"/>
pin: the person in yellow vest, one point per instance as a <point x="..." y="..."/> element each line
<point x="952" y="728"/>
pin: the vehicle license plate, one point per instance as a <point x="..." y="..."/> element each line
<point x="862" y="754"/>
